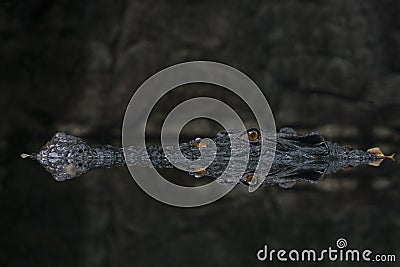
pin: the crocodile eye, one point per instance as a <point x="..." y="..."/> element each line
<point x="253" y="134"/>
<point x="251" y="179"/>
<point x="200" y="144"/>
<point x="200" y="171"/>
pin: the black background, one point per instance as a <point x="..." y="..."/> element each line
<point x="327" y="66"/>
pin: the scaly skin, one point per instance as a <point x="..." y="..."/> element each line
<point x="297" y="157"/>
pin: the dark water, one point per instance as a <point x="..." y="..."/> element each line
<point x="72" y="66"/>
<point x="104" y="217"/>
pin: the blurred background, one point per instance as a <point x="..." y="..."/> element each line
<point x="328" y="66"/>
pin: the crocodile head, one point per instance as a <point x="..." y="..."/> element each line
<point x="297" y="157"/>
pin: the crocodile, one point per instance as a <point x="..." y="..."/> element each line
<point x="296" y="157"/>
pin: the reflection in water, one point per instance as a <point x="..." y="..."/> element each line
<point x="108" y="211"/>
<point x="297" y="157"/>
